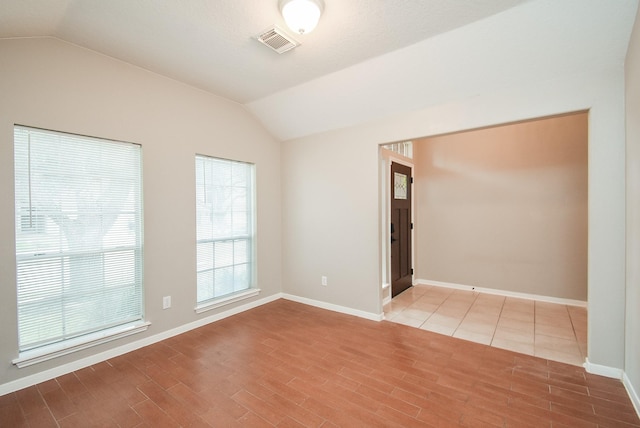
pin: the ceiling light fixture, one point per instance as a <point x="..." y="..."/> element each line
<point x="301" y="15"/>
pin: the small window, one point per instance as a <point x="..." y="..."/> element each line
<point x="399" y="186"/>
<point x="78" y="224"/>
<point x="225" y="232"/>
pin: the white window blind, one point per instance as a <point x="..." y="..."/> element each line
<point x="78" y="235"/>
<point x="224" y="197"/>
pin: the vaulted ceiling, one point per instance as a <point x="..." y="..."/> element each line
<point x="362" y="52"/>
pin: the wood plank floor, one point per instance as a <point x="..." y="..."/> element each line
<point x="290" y="365"/>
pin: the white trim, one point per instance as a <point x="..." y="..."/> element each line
<point x="559" y="300"/>
<point x="49" y="352"/>
<point x="227" y="300"/>
<point x="633" y="395"/>
<point x="27" y="381"/>
<point x="334" y="308"/>
<point x="386" y="293"/>
<point x="388" y="157"/>
<point x="395" y="156"/>
<point x="601" y="370"/>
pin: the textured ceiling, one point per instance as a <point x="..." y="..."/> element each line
<point x="209" y="43"/>
<point x="366" y="60"/>
<point x="525" y="46"/>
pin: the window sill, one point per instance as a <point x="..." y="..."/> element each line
<point x="49" y="352"/>
<point x="227" y="300"/>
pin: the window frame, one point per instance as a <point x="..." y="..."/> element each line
<point x="216" y="301"/>
<point x="104" y="330"/>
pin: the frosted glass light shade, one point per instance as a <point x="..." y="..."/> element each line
<point x="301" y="16"/>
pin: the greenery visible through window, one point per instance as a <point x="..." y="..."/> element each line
<point x="224" y="197"/>
<point x="78" y="235"/>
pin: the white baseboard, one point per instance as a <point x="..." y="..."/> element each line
<point x="633" y="394"/>
<point x="63" y="369"/>
<point x="601" y="370"/>
<point x="559" y="300"/>
<point x="386" y="293"/>
<point x="334" y="308"/>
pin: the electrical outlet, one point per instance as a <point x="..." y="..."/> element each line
<point x="323" y="280"/>
<point x="166" y="302"/>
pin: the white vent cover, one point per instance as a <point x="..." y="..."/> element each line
<point x="275" y="38"/>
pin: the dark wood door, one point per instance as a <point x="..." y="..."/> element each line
<point x="401" y="269"/>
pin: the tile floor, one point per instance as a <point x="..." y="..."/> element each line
<point x="548" y="330"/>
<point x="287" y="365"/>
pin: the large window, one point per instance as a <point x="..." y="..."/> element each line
<point x="224" y="195"/>
<point x="78" y="236"/>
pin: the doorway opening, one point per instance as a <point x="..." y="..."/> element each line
<point x="396" y="171"/>
<point x="500" y="211"/>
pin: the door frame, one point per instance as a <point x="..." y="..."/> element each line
<point x="386" y="158"/>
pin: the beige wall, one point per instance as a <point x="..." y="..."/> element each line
<point x="632" y="343"/>
<point x="326" y="187"/>
<point x="331" y="194"/>
<point x="51" y="84"/>
<point x="505" y="207"/>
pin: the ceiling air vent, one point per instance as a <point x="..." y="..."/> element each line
<point x="277" y="39"/>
